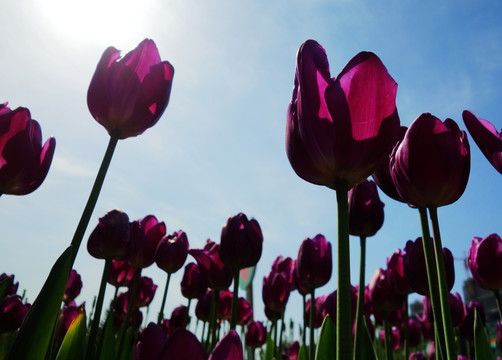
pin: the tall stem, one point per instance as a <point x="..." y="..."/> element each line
<point x="214" y="317"/>
<point x="406" y="328"/>
<point x="93" y="197"/>
<point x="161" y="312"/>
<point x="360" y="301"/>
<point x="388" y="340"/>
<point x="235" y="297"/>
<point x="312" y="324"/>
<point x="432" y="278"/>
<point x="125" y="325"/>
<point x="444" y="293"/>
<point x="91" y="350"/>
<point x="343" y="311"/>
<point x="499" y="304"/>
<point x="304" y="332"/>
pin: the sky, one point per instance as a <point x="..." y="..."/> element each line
<point x="219" y="148"/>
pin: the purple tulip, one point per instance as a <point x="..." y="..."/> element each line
<point x="66" y="316"/>
<point x="121" y="273"/>
<point x="293" y="350"/>
<point x="485" y="261"/>
<point x="178" y="318"/>
<point x="203" y="306"/>
<point x="151" y="341"/>
<point x="182" y="344"/>
<point x="331" y="300"/>
<point x="466" y="329"/>
<point x="129" y="95"/>
<point x="414" y="333"/>
<point x="365" y="209"/>
<point x="287" y="267"/>
<point x="488" y="139"/>
<point x="229" y="348"/>
<point x="414" y="263"/>
<point x="396" y="269"/>
<point x="24" y="162"/>
<point x="340" y="130"/>
<point x="314" y="264"/>
<point x="193" y="285"/>
<point x="172" y="251"/>
<point x="241" y="242"/>
<point x="12" y="313"/>
<point x="431" y="166"/>
<point x="256" y="334"/>
<point x="275" y="294"/>
<point x="225" y="305"/>
<point x="11" y="287"/>
<point x="120" y="307"/>
<point x="382" y="294"/>
<point x="319" y="307"/>
<point x="244" y="311"/>
<point x="110" y="238"/>
<point x="457" y="308"/>
<point x="73" y="287"/>
<point x="145" y="236"/>
<point x="218" y="275"/>
<point x="145" y="293"/>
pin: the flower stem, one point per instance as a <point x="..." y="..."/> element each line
<point x="187" y="318"/>
<point x="444" y="294"/>
<point x="406" y="328"/>
<point x="358" y="339"/>
<point x="312" y="324"/>
<point x="91" y="350"/>
<point x="432" y="278"/>
<point x="235" y="297"/>
<point x="343" y="311"/>
<point x="161" y="312"/>
<point x="93" y="197"/>
<point x="214" y="317"/>
<point x="132" y="298"/>
<point x="388" y="340"/>
<point x="304" y="332"/>
<point x="499" y="304"/>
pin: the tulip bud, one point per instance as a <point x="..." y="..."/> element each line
<point x="12" y="313"/>
<point x="193" y="285"/>
<point x="145" y="236"/>
<point x="485" y="261"/>
<point x="172" y="252"/>
<point x="256" y="334"/>
<point x="365" y="209"/>
<point x="110" y="238"/>
<point x="275" y="293"/>
<point x="121" y="273"/>
<point x="383" y="296"/>
<point x="73" y="287"/>
<point x="314" y="264"/>
<point x="218" y="275"/>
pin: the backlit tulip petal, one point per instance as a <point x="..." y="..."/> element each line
<point x="485" y="261"/>
<point x="229" y="348"/>
<point x="365" y="209"/>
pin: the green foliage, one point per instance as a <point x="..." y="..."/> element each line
<point x="302" y="354"/>
<point x="106" y="349"/>
<point x="482" y="347"/>
<point x="73" y="346"/>
<point x="326" y="349"/>
<point x="269" y="352"/>
<point x="367" y="350"/>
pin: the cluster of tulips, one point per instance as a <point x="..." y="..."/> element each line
<point x="340" y="131"/>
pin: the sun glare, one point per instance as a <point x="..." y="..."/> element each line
<point x="96" y="21"/>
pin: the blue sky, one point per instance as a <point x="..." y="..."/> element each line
<point x="219" y="148"/>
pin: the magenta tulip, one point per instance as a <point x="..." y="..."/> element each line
<point x="73" y="287"/>
<point x="178" y="318"/>
<point x="129" y="95"/>
<point x="331" y="300"/>
<point x="256" y="334"/>
<point x="314" y="264"/>
<point x="457" y="308"/>
<point x="193" y="284"/>
<point x="486" y="136"/>
<point x="66" y="316"/>
<point x="485" y="261"/>
<point x="121" y="273"/>
<point x="203" y="306"/>
<point x="218" y="275"/>
<point x="244" y="311"/>
<point x="229" y="348"/>
<point x="172" y="251"/>
<point x="340" y="130"/>
<point x="430" y="167"/>
<point x="24" y="162"/>
<point x="275" y="293"/>
<point x="145" y="293"/>
<point x="365" y="209"/>
<point x="287" y="267"/>
<point x="466" y="329"/>
<point x="110" y="238"/>
<point x="225" y="305"/>
<point x="382" y="294"/>
<point x="182" y="344"/>
<point x="396" y="269"/>
<point x="12" y="313"/>
<point x="151" y="341"/>
<point x="11" y="287"/>
<point x="319" y="307"/>
<point x="241" y="242"/>
<point x="145" y="236"/>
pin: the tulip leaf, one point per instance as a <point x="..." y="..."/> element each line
<point x="327" y="337"/>
<point x="106" y="348"/>
<point x="73" y="345"/>
<point x="302" y="353"/>
<point x="127" y="351"/>
<point x="269" y="350"/>
<point x="367" y="350"/>
<point x="6" y="340"/>
<point x="35" y="333"/>
<point x="482" y="347"/>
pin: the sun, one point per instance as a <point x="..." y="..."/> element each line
<point x="102" y="22"/>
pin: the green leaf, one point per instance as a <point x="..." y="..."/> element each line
<point x="35" y="333"/>
<point x="269" y="351"/>
<point x="6" y="340"/>
<point x="107" y="341"/>
<point x="73" y="346"/>
<point x="482" y="347"/>
<point x="127" y="352"/>
<point x="302" y="354"/>
<point x="367" y="350"/>
<point x="326" y="349"/>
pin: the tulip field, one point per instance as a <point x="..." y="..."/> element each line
<point x="343" y="133"/>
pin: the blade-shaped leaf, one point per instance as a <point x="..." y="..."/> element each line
<point x="106" y="349"/>
<point x="302" y="354"/>
<point x="367" y="350"/>
<point x="73" y="346"/>
<point x="326" y="349"/>
<point x="35" y="333"/>
<point x="482" y="347"/>
<point x="269" y="350"/>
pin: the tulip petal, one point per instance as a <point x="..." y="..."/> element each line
<point x="229" y="348"/>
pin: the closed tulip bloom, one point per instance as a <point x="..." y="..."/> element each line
<point x="145" y="293"/>
<point x="414" y="332"/>
<point x="319" y="307"/>
<point x="178" y="318"/>
<point x="129" y="95"/>
<point x="218" y="275"/>
<point x="414" y="263"/>
<point x="485" y="261"/>
<point x="457" y="308"/>
<point x="229" y="347"/>
<point x="275" y="292"/>
<point x="182" y="344"/>
<point x="256" y="334"/>
<point x="225" y="305"/>
<point x="12" y="313"/>
<point x="486" y="136"/>
<point x="340" y="129"/>
<point x="73" y="287"/>
<point x="121" y="273"/>
<point x="145" y="236"/>
<point x="193" y="285"/>
<point x="431" y="166"/>
<point x="244" y="311"/>
<point x="365" y="209"/>
<point x="330" y="303"/>
<point x="24" y="161"/>
<point x="203" y="306"/>
<point x="151" y="341"/>
<point x="287" y="267"/>
<point x="66" y="316"/>
<point x="172" y="251"/>
<point x="314" y="264"/>
<point x="293" y="350"/>
<point x="241" y="242"/>
<point x="382" y="294"/>
<point x="395" y="267"/>
<point x="466" y="329"/>
<point x="110" y="238"/>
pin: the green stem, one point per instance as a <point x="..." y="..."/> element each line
<point x="274" y="325"/>
<point x="93" y="197"/>
<point x="214" y="317"/>
<point x="125" y="324"/>
<point x="444" y="293"/>
<point x="388" y="350"/>
<point x="235" y="297"/>
<point x="91" y="350"/>
<point x="432" y="278"/>
<point x="406" y="328"/>
<point x="312" y="324"/>
<point x="304" y="332"/>
<point x="343" y="311"/>
<point x="282" y="331"/>
<point x="161" y="312"/>
<point x="187" y="318"/>
<point x="499" y="304"/>
<point x="358" y="339"/>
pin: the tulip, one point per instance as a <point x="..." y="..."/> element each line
<point x="203" y="307"/>
<point x="146" y="292"/>
<point x="244" y="311"/>
<point x="466" y="329"/>
<point x="275" y="293"/>
<point x="11" y="287"/>
<point x="24" y="161"/>
<point x="318" y="308"/>
<point x="241" y="242"/>
<point x="485" y="261"/>
<point x="66" y="316"/>
<point x="217" y="274"/>
<point x="293" y="351"/>
<point x="178" y="318"/>
<point x="151" y="341"/>
<point x="121" y="273"/>
<point x="383" y="296"/>
<point x="340" y="130"/>
<point x="430" y="167"/>
<point x="122" y="315"/>
<point x="256" y="334"/>
<point x="287" y="267"/>
<point x="182" y="344"/>
<point x="225" y="305"/>
<point x="193" y="285"/>
<point x="365" y="209"/>
<point x="486" y="136"/>
<point x="314" y="264"/>
<point x="129" y="95"/>
<point x="330" y="304"/>
<point x="415" y="333"/>
<point x="110" y="238"/>
<point x="456" y="306"/>
<point x="414" y="263"/>
<point x="12" y="313"/>
<point x="229" y="347"/>
<point x="145" y="236"/>
<point x="396" y="269"/>
<point x="73" y="287"/>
